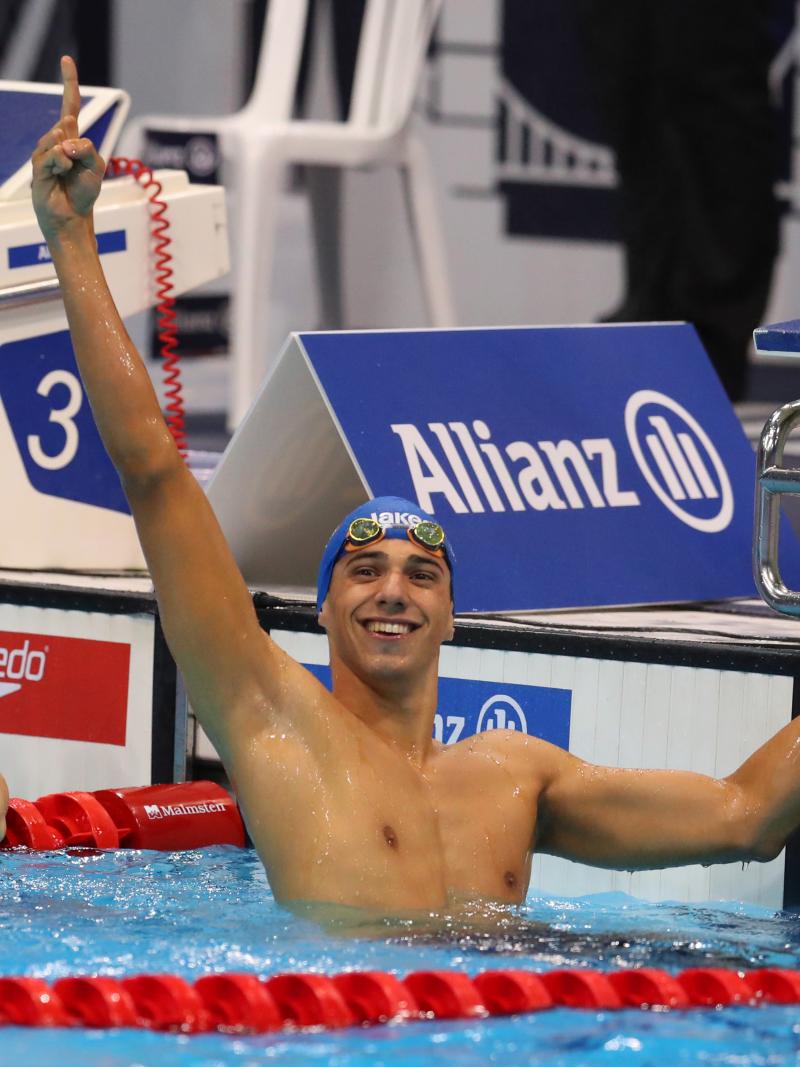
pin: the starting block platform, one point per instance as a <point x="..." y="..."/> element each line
<point x="56" y="474"/>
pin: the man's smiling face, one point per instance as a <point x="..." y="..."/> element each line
<point x="388" y="609"/>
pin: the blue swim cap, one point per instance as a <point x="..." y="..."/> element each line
<point x="394" y="514"/>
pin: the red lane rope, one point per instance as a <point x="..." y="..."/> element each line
<point x="165" y="308"/>
<point x="193" y="814"/>
<point x="244" y="1003"/>
<point x="181" y="815"/>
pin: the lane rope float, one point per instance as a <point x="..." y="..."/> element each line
<point x="245" y="1003"/>
<point x="172" y="817"/>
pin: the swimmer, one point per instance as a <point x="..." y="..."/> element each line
<point x="348" y="799"/>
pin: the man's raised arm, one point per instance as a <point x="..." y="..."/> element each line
<point x="229" y="664"/>
<point x="640" y="819"/>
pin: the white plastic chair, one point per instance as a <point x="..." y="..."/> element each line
<point x="259" y="142"/>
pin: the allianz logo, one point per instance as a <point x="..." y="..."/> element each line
<point x="461" y="462"/>
<point x="499" y="712"/>
<point x="18" y="665"/>
<point x="163" y="811"/>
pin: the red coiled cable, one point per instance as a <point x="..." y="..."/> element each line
<point x="165" y="308"/>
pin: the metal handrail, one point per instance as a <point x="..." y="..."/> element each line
<point x="773" y="480"/>
<point x="31" y="293"/>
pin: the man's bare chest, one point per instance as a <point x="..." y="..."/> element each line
<point x="370" y="827"/>
<point x="441" y="833"/>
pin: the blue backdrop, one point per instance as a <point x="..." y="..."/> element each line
<point x="569" y="465"/>
<point x="468" y="707"/>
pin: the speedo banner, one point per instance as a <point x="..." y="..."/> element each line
<point x="570" y="466"/>
<point x="69" y="688"/>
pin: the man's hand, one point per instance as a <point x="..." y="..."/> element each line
<point x="67" y="171"/>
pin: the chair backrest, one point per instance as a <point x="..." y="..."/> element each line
<point x="394" y="39"/>
<point x="391" y="50"/>
<point x="272" y="98"/>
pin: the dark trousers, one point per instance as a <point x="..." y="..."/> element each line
<point x="682" y="87"/>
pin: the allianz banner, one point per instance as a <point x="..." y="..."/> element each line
<point x="569" y="466"/>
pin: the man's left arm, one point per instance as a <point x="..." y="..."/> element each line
<point x="640" y="819"/>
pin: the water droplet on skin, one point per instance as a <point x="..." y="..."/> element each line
<point x="516" y="791"/>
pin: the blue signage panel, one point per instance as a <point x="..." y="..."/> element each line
<point x="467" y="707"/>
<point x="570" y="466"/>
<point x="778" y="339"/>
<point x="24" y="117"/>
<point x="99" y="128"/>
<point x="31" y="254"/>
<point x="52" y="424"/>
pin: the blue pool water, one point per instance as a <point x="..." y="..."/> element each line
<point x="192" y="913"/>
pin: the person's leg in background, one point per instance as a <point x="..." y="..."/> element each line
<point x="683" y="88"/>
<point x="622" y="60"/>
<point x="726" y="156"/>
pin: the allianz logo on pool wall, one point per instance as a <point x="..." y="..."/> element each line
<point x="18" y="665"/>
<point x="674" y="454"/>
<point x="163" y="811"/>
<point x="499" y="712"/>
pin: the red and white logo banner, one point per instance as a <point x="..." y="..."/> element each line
<point x="68" y="688"/>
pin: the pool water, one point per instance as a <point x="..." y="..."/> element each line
<point x="192" y="913"/>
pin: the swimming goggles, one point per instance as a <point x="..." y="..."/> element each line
<point x="366" y="531"/>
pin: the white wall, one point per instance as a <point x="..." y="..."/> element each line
<point x="180" y="56"/>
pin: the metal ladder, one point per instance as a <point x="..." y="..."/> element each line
<point x="772" y="481"/>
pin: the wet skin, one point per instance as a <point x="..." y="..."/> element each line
<point x="388" y="818"/>
<point x="347" y="797"/>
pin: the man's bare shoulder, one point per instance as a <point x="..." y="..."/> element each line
<point x="286" y="700"/>
<point x="516" y="752"/>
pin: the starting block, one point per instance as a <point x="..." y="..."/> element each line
<point x="63" y="497"/>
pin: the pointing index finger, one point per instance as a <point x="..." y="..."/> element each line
<point x="71" y="102"/>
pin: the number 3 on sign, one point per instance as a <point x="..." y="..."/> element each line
<point x="63" y="417"/>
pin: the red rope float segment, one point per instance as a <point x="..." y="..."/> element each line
<point x="182" y="815"/>
<point x="165" y="308"/>
<point x="244" y="1003"/>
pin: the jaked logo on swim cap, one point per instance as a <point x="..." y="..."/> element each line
<point x="396" y="516"/>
